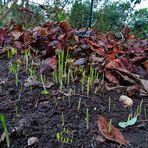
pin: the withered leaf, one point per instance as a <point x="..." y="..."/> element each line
<point x="49" y="64"/>
<point x="115" y="135"/>
<point x="95" y="47"/>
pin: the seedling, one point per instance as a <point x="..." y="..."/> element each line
<point x="88" y="86"/>
<point x="16" y="110"/>
<point x="79" y="105"/>
<point x="3" y="121"/>
<point x="44" y="91"/>
<point x="62" y="119"/>
<point x="14" y="68"/>
<point x="11" y="52"/>
<point x="87" y="118"/>
<point x="63" y="98"/>
<point x="109" y="103"/>
<point x="83" y="80"/>
<point x="33" y="71"/>
<point x="61" y="85"/>
<point x="68" y="77"/>
<point x="139" y="109"/>
<point x="69" y="100"/>
<point x="16" y="79"/>
<point x="110" y="126"/>
<point x="55" y="100"/>
<point x="55" y="76"/>
<point x="61" y="136"/>
<point x="129" y="117"/>
<point x="26" y="58"/>
<point x="60" y="65"/>
<point x="20" y="86"/>
<point x="91" y="75"/>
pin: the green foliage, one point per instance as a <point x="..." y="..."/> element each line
<point x="139" y="22"/>
<point x="55" y="10"/>
<point x="30" y="16"/>
<point x="61" y="136"/>
<point x="79" y="15"/>
<point x="111" y="16"/>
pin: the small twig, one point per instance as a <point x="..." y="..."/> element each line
<point x="65" y="94"/>
<point x="146" y="120"/>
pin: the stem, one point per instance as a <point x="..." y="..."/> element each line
<point x="43" y="82"/>
<point x="110" y="126"/>
<point x="87" y="118"/>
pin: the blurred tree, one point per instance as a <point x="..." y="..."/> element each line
<point x="5" y="10"/>
<point x="111" y="16"/>
<point x="55" y="9"/>
<point x="139" y="22"/>
<point x="79" y="14"/>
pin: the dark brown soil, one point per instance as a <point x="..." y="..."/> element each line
<point x="35" y="115"/>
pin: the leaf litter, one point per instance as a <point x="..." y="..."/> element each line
<point x="117" y="58"/>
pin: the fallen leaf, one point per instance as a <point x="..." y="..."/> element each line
<point x="64" y="25"/>
<point x="115" y="135"/>
<point x="17" y="31"/>
<point x="3" y="34"/>
<point x="80" y="61"/>
<point x="49" y="64"/>
<point x="133" y="90"/>
<point x="31" y="81"/>
<point x="95" y="47"/>
<point x="85" y="33"/>
<point x="128" y="123"/>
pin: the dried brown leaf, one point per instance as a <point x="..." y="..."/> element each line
<point x="115" y="135"/>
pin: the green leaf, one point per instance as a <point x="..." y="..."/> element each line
<point x="2" y="119"/>
<point x="44" y="92"/>
<point x="128" y="123"/>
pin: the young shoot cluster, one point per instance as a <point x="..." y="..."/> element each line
<point x="64" y="73"/>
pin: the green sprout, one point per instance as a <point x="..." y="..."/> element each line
<point x="55" y="77"/>
<point x="61" y="85"/>
<point x="87" y="118"/>
<point x="83" y="80"/>
<point x="3" y="121"/>
<point x="139" y="109"/>
<point x="63" y="98"/>
<point x="110" y="126"/>
<point x="27" y="54"/>
<point x="60" y="65"/>
<point x="33" y="71"/>
<point x="62" y="119"/>
<point x="16" y="110"/>
<point x="14" y="69"/>
<point x="129" y="117"/>
<point x="61" y="136"/>
<point x="92" y="71"/>
<point x="44" y="91"/>
<point x="109" y="103"/>
<point x="11" y="52"/>
<point x="69" y="100"/>
<point x="79" y="105"/>
<point x="55" y="100"/>
<point x="88" y="86"/>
